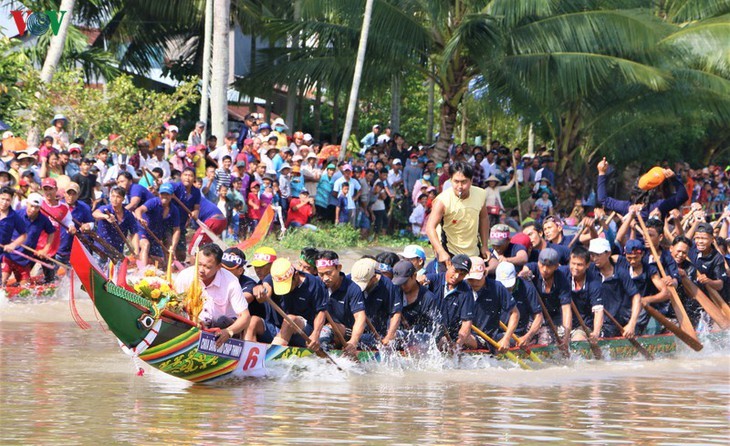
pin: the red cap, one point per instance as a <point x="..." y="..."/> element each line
<point x="22" y="182"/>
<point x="48" y="182"/>
<point x="521" y="239"/>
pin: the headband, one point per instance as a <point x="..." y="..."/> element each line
<point x="384" y="267"/>
<point x="308" y="261"/>
<point x="268" y="258"/>
<point x="326" y="263"/>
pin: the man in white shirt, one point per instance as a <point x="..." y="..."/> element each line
<point x="57" y="132"/>
<point x="225" y="149"/>
<point x="120" y="165"/>
<point x="158" y="160"/>
<point x="224" y="306"/>
<point x="395" y="176"/>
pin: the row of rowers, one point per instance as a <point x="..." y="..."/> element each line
<point x="385" y="299"/>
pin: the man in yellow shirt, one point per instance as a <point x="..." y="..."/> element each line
<point x="462" y="214"/>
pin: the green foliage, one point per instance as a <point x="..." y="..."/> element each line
<point x="13" y="64"/>
<point x="121" y="108"/>
<point x="509" y="198"/>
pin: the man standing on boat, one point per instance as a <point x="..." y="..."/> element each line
<point x="189" y="195"/>
<point x="462" y="214"/>
<point x="346" y="304"/>
<point x="383" y="300"/>
<point x="224" y="306"/>
<point x="491" y="300"/>
<point x="527" y="303"/>
<point x="303" y="298"/>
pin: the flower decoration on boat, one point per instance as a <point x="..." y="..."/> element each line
<point x="155" y="288"/>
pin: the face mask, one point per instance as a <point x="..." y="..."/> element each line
<point x="427" y="177"/>
<point x="279" y="129"/>
<point x="181" y="153"/>
<point x="414" y="162"/>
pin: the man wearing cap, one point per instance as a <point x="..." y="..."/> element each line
<point x="353" y="194"/>
<point x="585" y="292"/>
<point x="456" y="302"/>
<point x="421" y="311"/>
<point x="196" y="135"/>
<point x="190" y="196"/>
<point x="120" y="165"/>
<point x="553" y="288"/>
<point x="157" y="215"/>
<point x="224" y="306"/>
<point x="56" y="211"/>
<point x="492" y="302"/>
<point x="80" y="212"/>
<point x="57" y="132"/>
<point x="346" y="303"/>
<point x="646" y="278"/>
<point x="102" y="156"/>
<point x="262" y="260"/>
<point x="620" y="296"/>
<point x="35" y="224"/>
<point x="370" y="139"/>
<point x="302" y="296"/>
<point x="462" y="214"/>
<point x="300" y="210"/>
<point x="526" y="301"/>
<point x="383" y="300"/>
<point x="417" y="256"/>
<point x="503" y="250"/>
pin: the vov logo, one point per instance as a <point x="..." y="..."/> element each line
<point x="38" y="22"/>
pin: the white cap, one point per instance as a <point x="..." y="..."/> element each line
<point x="312" y="155"/>
<point x="35" y="199"/>
<point x="8" y="134"/>
<point x="297" y="158"/>
<point x="307" y="137"/>
<point x="280" y="121"/>
<point x="506" y="274"/>
<point x="397" y="161"/>
<point x="173" y="128"/>
<point x="362" y="271"/>
<point x="599" y="246"/>
<point x="413" y="251"/>
<point x="478" y="268"/>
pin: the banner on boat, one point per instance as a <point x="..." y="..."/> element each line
<point x="232" y="349"/>
<point x="251" y="356"/>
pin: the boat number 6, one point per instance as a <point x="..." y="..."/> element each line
<point x="252" y="359"/>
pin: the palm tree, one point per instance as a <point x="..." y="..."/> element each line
<point x="220" y="68"/>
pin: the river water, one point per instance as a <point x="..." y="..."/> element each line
<point x="63" y="385"/>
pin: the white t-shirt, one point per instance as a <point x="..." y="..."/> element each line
<point x="222" y="151"/>
<point x="223" y="297"/>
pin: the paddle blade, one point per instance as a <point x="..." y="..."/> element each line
<point x="260" y="232"/>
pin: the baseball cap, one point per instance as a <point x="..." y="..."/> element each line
<point x="506" y="274"/>
<point x="282" y="273"/>
<point x="413" y="251"/>
<point x="285" y="166"/>
<point x="307" y="137"/>
<point x="248" y="142"/>
<point x="74" y="187"/>
<point x="345" y="167"/>
<point x="634" y="245"/>
<point x="461" y="262"/>
<point x="48" y="182"/>
<point x="549" y="257"/>
<point x="233" y="258"/>
<point x="402" y="271"/>
<point x="397" y="161"/>
<point x="477" y="269"/>
<point x="331" y="166"/>
<point x="297" y="158"/>
<point x="599" y="246"/>
<point x="74" y="148"/>
<point x="653" y="178"/>
<point x="362" y="271"/>
<point x="499" y="234"/>
<point x="265" y="126"/>
<point x="705" y="228"/>
<point x="311" y="155"/>
<point x="173" y="128"/>
<point x="263" y="256"/>
<point x="521" y="239"/>
<point x="35" y="199"/>
<point x="167" y="188"/>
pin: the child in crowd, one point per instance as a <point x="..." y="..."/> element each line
<point x="255" y="211"/>
<point x="342" y="215"/>
<point x="223" y="173"/>
<point x="418" y="215"/>
<point x="377" y="209"/>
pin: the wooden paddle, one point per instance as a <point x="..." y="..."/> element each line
<point x="594" y="345"/>
<point x="631" y="339"/>
<point x="319" y="352"/>
<point x="371" y="327"/>
<point x="712" y="310"/>
<point x="682" y="318"/>
<point x="87" y="237"/>
<point x="562" y="343"/>
<point x="577" y="236"/>
<point x="336" y="329"/>
<point x="533" y="356"/>
<point x="50" y="259"/>
<point x="511" y="356"/>
<point x="217" y="240"/>
<point x="26" y="256"/>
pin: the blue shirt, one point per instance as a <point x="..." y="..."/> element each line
<point x="138" y="191"/>
<point x="33" y="231"/>
<point x="342" y="204"/>
<point x="208" y="210"/>
<point x="618" y="291"/>
<point x="563" y="253"/>
<point x="306" y="300"/>
<point x="296" y="185"/>
<point x="81" y="212"/>
<point x="108" y="232"/>
<point x="528" y="305"/>
<point x="456" y="305"/>
<point x="345" y="302"/>
<point x="190" y="200"/>
<point x="324" y="196"/>
<point x="423" y="313"/>
<point x="12" y="224"/>
<point x="490" y="302"/>
<point x="556" y="297"/>
<point x="382" y="302"/>
<point x="585" y="298"/>
<point x="156" y="221"/>
<point x="354" y="187"/>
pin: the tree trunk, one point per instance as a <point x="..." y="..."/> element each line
<point x="220" y="69"/>
<point x="448" y="123"/>
<point x="530" y="141"/>
<point x="207" y="49"/>
<point x="463" y="122"/>
<point x="357" y="77"/>
<point x="55" y="49"/>
<point x="335" y="114"/>
<point x="431" y="102"/>
<point x="252" y="108"/>
<point x="291" y="90"/>
<point x="395" y="100"/>
<point x="318" y="112"/>
<point x="302" y="102"/>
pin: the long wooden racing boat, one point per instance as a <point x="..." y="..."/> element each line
<point x="174" y="345"/>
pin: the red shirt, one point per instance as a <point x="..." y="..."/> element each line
<point x="300" y="215"/>
<point x="61" y="213"/>
<point x="254" y="214"/>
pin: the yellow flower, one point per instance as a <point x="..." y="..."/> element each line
<point x="149" y="273"/>
<point x="155" y="294"/>
<point x="143" y="283"/>
<point x="164" y="287"/>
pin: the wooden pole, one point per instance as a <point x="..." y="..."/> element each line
<point x="533" y="356"/>
<point x="511" y="356"/>
<point x="633" y="341"/>
<point x="217" y="240"/>
<point x="594" y="345"/>
<point x="562" y="343"/>
<point x="50" y="259"/>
